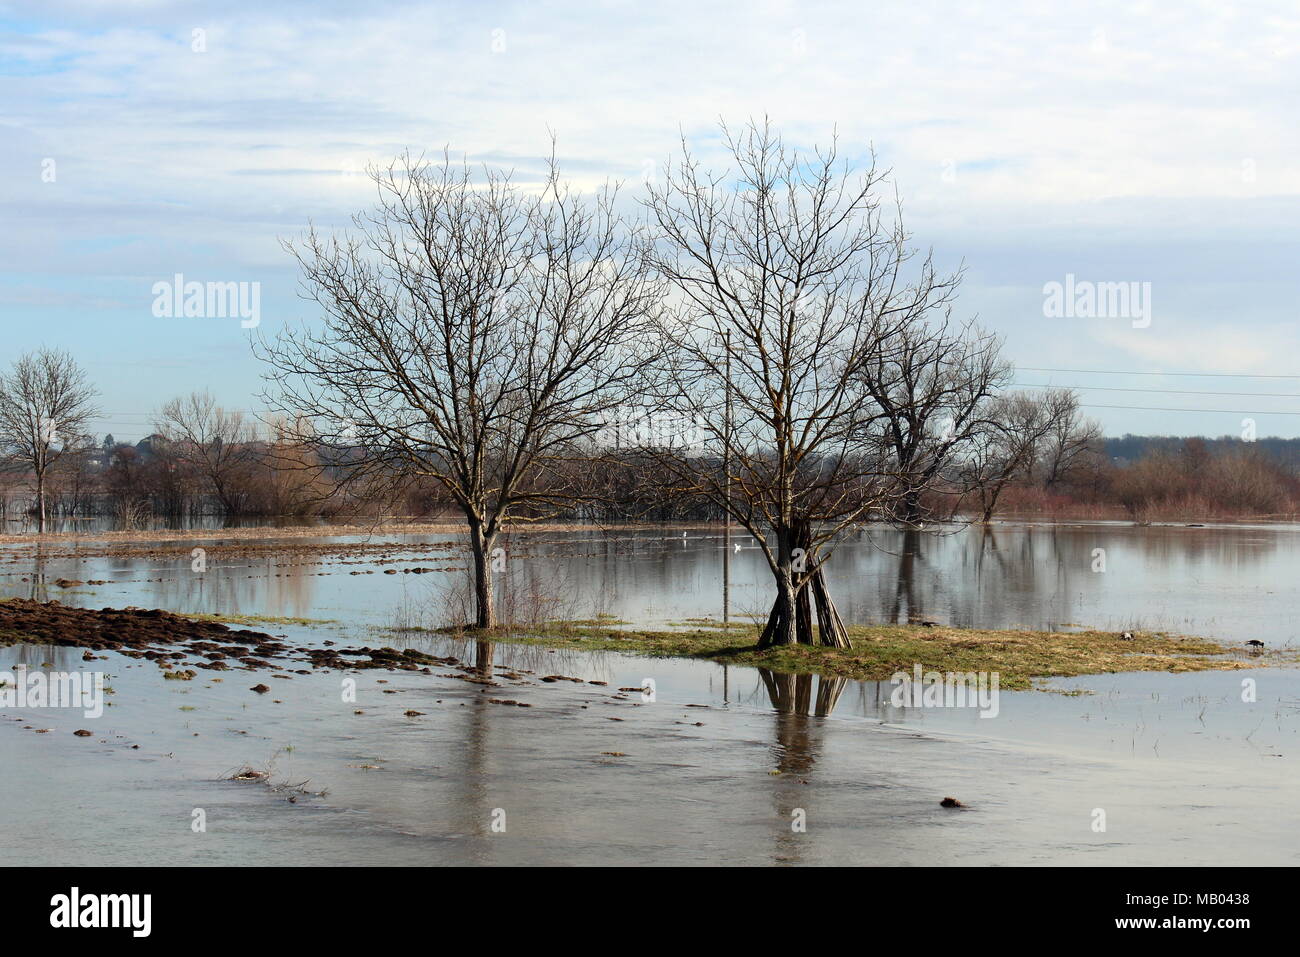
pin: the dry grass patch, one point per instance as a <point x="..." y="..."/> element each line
<point x="880" y="651"/>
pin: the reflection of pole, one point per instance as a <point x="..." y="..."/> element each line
<point x="726" y="469"/>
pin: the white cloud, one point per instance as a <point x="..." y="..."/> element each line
<point x="1066" y="129"/>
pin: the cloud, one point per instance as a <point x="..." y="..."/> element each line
<point x="1029" y="141"/>
<point x="1212" y="348"/>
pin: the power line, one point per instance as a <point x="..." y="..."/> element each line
<point x="151" y="415"/>
<point x="1157" y="408"/>
<point x="1111" y="388"/>
<point x="1223" y="375"/>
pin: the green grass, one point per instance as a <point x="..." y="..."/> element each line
<point x="880" y="651"/>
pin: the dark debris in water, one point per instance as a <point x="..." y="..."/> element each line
<point x="170" y="640"/>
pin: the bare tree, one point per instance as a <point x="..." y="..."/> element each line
<point x="934" y="385"/>
<point x="1072" y="446"/>
<point x="71" y="482"/>
<point x="473" y="335"/>
<point x="1010" y="446"/>
<point x="788" y="277"/>
<point x="45" y="403"/>
<point x="210" y="442"/>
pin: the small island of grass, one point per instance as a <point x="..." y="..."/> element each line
<point x="880" y="651"/>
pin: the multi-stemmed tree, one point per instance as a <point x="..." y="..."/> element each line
<point x="791" y="275"/>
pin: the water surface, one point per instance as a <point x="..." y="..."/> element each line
<point x="720" y="764"/>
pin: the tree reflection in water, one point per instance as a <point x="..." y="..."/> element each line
<point x="483" y="658"/>
<point x="798" y="743"/>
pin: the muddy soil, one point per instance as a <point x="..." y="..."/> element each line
<point x="178" y="644"/>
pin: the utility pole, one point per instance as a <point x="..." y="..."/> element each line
<point x="726" y="469"/>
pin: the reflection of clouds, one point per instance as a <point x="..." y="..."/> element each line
<point x="1040" y="576"/>
<point x="1006" y="575"/>
<point x="35" y="657"/>
<point x="262" y="586"/>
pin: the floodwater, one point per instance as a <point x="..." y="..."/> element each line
<point x="720" y="764"/>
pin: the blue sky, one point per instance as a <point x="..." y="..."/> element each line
<point x="1117" y="142"/>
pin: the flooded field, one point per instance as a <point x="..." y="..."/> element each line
<point x="720" y="764"/>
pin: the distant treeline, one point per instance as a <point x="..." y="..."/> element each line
<point x="1167" y="477"/>
<point x="235" y="475"/>
<point x="1128" y="448"/>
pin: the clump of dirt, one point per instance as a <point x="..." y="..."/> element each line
<point x="153" y="634"/>
<point x="172" y="641"/>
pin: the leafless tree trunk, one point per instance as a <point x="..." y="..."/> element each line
<point x="45" y="404"/>
<point x="474" y="334"/>
<point x="789" y="258"/>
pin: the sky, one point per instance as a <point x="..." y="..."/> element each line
<point x="1151" y="144"/>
